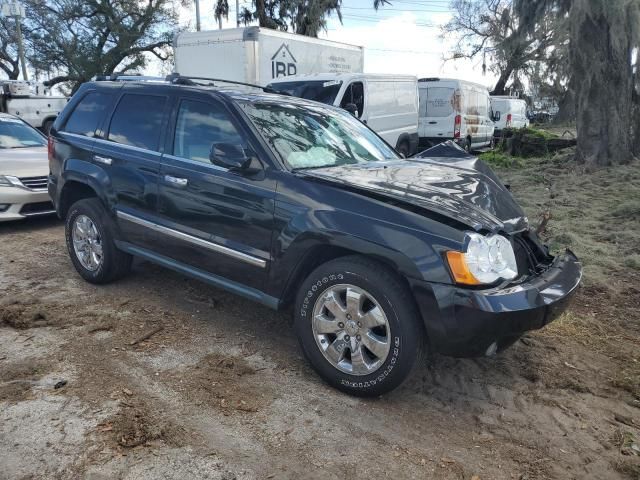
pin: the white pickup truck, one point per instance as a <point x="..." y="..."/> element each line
<point x="30" y="102"/>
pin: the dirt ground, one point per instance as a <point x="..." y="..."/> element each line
<point x="220" y="389"/>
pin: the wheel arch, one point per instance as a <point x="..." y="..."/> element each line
<point x="320" y="253"/>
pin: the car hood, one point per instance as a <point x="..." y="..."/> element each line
<point x="24" y="162"/>
<point x="463" y="189"/>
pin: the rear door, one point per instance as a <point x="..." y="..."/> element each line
<point x="437" y="115"/>
<point x="213" y="219"/>
<point x="75" y="137"/>
<point x="130" y="149"/>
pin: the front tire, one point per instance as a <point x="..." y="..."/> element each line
<point x="358" y="327"/>
<point x="90" y="235"/>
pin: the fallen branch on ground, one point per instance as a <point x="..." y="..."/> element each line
<point x="146" y="336"/>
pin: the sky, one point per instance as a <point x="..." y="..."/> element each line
<point x="403" y="37"/>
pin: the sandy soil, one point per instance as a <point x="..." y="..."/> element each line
<point x="221" y="391"/>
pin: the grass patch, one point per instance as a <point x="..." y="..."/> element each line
<point x="499" y="159"/>
<point x="595" y="214"/>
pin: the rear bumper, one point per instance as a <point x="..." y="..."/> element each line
<point x="19" y="203"/>
<point x="465" y="322"/>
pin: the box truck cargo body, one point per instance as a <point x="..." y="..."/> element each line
<point x="259" y="55"/>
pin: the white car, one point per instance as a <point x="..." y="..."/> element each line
<point x="388" y="104"/>
<point x="24" y="168"/>
<point x="509" y="112"/>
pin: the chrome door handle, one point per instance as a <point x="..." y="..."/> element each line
<point x="179" y="182"/>
<point x="104" y="160"/>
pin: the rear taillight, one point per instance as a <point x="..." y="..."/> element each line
<point x="508" y="120"/>
<point x="50" y="149"/>
<point x="457" y="123"/>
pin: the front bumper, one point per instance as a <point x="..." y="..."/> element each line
<point x="23" y="203"/>
<point x="466" y="322"/>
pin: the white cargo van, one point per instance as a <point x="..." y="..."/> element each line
<point x="388" y="104"/>
<point x="258" y="55"/>
<point x="509" y="112"/>
<point x="452" y="109"/>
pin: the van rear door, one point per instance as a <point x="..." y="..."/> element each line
<point x="437" y="115"/>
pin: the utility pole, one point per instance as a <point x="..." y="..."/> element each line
<point x="238" y="13"/>
<point x="198" y="15"/>
<point x="15" y="10"/>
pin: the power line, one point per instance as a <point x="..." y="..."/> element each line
<point x="397" y="10"/>
<point x="376" y="20"/>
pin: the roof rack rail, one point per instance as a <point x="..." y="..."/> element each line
<point x="429" y="79"/>
<point x="189" y="80"/>
<point x="129" y="77"/>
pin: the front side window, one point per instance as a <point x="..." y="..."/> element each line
<point x="137" y="121"/>
<point x="14" y="133"/>
<point x="199" y="125"/>
<point x="354" y="94"/>
<point x="314" y="136"/>
<point x="88" y="114"/>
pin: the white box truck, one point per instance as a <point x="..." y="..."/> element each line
<point x="259" y="55"/>
<point x="388" y="104"/>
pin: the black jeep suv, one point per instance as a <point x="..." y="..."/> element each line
<point x="290" y="202"/>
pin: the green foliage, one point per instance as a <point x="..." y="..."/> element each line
<point x="75" y="41"/>
<point x="497" y="158"/>
<point x="304" y="17"/>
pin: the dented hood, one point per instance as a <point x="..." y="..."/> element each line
<point x="463" y="189"/>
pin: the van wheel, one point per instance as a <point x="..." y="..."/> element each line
<point x="403" y="149"/>
<point x="358" y="327"/>
<point x="90" y="235"/>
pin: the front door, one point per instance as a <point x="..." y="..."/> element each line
<point x="215" y="220"/>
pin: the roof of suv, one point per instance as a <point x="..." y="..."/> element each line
<point x="231" y="91"/>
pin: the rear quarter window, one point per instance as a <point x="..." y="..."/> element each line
<point x="88" y="114"/>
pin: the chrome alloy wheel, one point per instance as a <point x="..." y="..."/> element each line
<point x="351" y="329"/>
<point x="87" y="243"/>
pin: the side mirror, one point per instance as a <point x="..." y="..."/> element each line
<point x="496" y="116"/>
<point x="234" y="157"/>
<point x="352" y="108"/>
<point x="228" y="155"/>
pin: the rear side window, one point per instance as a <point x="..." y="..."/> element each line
<point x="88" y="114"/>
<point x="137" y="121"/>
<point x="199" y="126"/>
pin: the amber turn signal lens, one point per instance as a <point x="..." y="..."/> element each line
<point x="459" y="269"/>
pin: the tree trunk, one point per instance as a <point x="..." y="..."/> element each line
<point x="261" y="12"/>
<point x="566" y="106"/>
<point x="502" y="81"/>
<point x="600" y="56"/>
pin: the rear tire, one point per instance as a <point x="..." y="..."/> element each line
<point x="467" y="145"/>
<point x="90" y="234"/>
<point x="380" y="314"/>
